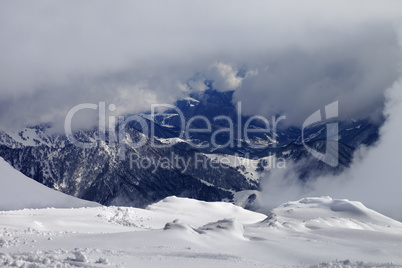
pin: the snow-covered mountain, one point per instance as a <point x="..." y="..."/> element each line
<point x="17" y="191"/>
<point x="98" y="174"/>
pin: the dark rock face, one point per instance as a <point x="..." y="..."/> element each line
<point x="149" y="173"/>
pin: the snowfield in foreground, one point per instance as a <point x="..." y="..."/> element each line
<point x="180" y="232"/>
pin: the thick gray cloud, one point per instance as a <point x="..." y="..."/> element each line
<point x="55" y="55"/>
<point x="355" y="70"/>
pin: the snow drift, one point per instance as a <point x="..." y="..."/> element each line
<point x="181" y="232"/>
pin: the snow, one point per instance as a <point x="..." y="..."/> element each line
<point x="325" y="212"/>
<point x="29" y="137"/>
<point x="197" y="212"/>
<point x="182" y="232"/>
<point x="240" y="198"/>
<point x="170" y="141"/>
<point x="18" y="191"/>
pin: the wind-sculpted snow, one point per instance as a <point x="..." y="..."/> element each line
<point x="201" y="212"/>
<point x="181" y="232"/>
<point x="328" y="213"/>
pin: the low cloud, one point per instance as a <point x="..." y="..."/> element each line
<point x="225" y="77"/>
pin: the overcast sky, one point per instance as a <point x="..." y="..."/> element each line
<point x="57" y="54"/>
